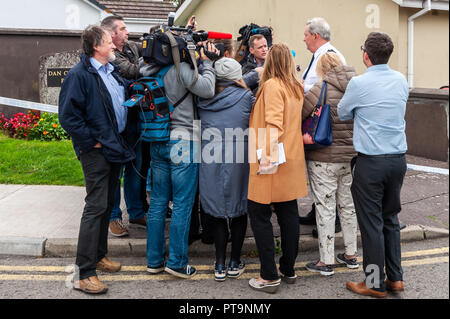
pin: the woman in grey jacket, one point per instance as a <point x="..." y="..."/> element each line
<point x="224" y="170"/>
<point x="329" y="169"/>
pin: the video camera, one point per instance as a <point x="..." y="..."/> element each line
<point x="158" y="47"/>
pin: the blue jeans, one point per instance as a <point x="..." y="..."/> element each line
<point x="131" y="188"/>
<point x="176" y="175"/>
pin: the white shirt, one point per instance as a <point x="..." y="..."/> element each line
<point x="312" y="77"/>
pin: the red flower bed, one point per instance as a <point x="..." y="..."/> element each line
<point x="20" y="125"/>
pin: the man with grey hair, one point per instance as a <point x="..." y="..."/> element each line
<point x="317" y="39"/>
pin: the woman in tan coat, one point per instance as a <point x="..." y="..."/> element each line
<point x="276" y="118"/>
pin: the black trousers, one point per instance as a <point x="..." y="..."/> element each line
<point x="376" y="187"/>
<point x="101" y="178"/>
<point x="287" y="216"/>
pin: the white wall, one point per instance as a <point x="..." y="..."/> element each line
<point x="60" y="14"/>
<point x="142" y="27"/>
<point x="48" y="14"/>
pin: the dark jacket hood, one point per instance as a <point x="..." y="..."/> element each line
<point x="229" y="97"/>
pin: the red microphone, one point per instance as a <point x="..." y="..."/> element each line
<point x="219" y="35"/>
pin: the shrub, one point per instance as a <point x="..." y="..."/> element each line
<point x="48" y="128"/>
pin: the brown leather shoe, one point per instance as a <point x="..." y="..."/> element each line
<point x="395" y="286"/>
<point x="90" y="285"/>
<point x="108" y="265"/>
<point x="117" y="228"/>
<point x="361" y="289"/>
<point x="139" y="222"/>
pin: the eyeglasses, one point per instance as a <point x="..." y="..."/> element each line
<point x="363" y="48"/>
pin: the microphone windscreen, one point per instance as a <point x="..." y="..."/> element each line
<point x="219" y="35"/>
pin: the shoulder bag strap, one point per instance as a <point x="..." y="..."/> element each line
<point x="175" y="53"/>
<point x="325" y="89"/>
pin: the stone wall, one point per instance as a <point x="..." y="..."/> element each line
<point x="53" y="68"/>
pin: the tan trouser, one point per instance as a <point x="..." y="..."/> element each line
<point x="330" y="185"/>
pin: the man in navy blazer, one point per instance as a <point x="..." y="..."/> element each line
<point x="103" y="133"/>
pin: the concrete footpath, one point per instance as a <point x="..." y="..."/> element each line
<point x="44" y="220"/>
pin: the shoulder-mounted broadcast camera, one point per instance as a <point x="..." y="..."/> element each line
<point x="161" y="46"/>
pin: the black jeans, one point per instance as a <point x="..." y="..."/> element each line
<point x="376" y="187"/>
<point x="287" y="216"/>
<point x="101" y="178"/>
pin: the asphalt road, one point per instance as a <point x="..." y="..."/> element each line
<point x="426" y="276"/>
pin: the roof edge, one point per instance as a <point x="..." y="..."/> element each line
<point x="96" y="4"/>
<point x="145" y="20"/>
<point x="419" y="4"/>
<point x="185" y="11"/>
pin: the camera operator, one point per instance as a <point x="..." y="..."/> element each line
<point x="177" y="179"/>
<point x="127" y="57"/>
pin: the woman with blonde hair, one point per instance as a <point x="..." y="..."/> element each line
<point x="276" y="119"/>
<point x="329" y="169"/>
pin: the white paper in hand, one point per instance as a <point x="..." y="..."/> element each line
<point x="281" y="154"/>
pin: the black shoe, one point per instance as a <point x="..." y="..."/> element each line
<point x="235" y="269"/>
<point x="351" y="263"/>
<point x="309" y="219"/>
<point x="326" y="270"/>
<point x="185" y="272"/>
<point x="220" y="272"/>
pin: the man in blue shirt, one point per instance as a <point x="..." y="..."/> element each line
<point x="91" y="111"/>
<point x="376" y="101"/>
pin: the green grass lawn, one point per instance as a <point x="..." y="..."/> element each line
<point x="38" y="163"/>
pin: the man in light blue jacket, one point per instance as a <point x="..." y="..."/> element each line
<point x="376" y="101"/>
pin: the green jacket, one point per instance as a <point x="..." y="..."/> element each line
<point x="128" y="60"/>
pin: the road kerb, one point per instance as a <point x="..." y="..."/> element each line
<point x="25" y="246"/>
<point x="131" y="247"/>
